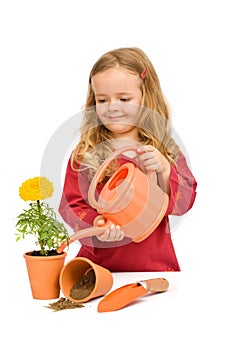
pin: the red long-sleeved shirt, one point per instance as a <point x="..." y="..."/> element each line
<point x="156" y="252"/>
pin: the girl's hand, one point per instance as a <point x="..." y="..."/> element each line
<point x="150" y="158"/>
<point x="114" y="233"/>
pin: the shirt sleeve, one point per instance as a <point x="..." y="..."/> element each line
<point x="183" y="188"/>
<point x="74" y="207"/>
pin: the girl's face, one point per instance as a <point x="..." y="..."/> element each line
<point x="118" y="98"/>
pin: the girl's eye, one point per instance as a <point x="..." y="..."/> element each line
<point x="103" y="100"/>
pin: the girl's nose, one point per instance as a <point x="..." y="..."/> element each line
<point x="113" y="106"/>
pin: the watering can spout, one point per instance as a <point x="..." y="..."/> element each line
<point x="130" y="199"/>
<point x="87" y="232"/>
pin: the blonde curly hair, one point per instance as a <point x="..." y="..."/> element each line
<point x="154" y="122"/>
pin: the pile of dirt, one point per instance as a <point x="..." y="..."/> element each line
<point x="63" y="304"/>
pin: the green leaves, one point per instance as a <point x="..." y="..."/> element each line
<point x="40" y="220"/>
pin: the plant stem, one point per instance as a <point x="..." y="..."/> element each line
<point x="42" y="250"/>
<point x="38" y="206"/>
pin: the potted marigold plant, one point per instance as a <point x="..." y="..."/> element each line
<point x="39" y="219"/>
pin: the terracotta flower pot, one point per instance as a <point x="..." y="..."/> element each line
<point x="75" y="269"/>
<point x="43" y="274"/>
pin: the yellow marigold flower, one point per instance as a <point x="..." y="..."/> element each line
<point x="37" y="188"/>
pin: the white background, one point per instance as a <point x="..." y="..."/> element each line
<point x="47" y="50"/>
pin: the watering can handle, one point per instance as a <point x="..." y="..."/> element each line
<point x="91" y="193"/>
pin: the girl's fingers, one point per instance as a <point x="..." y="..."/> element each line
<point x="146" y="148"/>
<point x="119" y="234"/>
<point x="150" y="158"/>
<point x="146" y="155"/>
<point x="112" y="234"/>
<point x="104" y="236"/>
<point x="100" y="222"/>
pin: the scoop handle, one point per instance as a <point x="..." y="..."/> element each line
<point x="155" y="285"/>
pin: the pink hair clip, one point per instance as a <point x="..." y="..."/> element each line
<point x="144" y="73"/>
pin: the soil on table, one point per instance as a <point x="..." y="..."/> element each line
<point x="80" y="290"/>
<point x="64" y="304"/>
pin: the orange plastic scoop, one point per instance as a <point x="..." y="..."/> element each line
<point x="123" y="296"/>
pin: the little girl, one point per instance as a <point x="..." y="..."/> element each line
<point x="125" y="105"/>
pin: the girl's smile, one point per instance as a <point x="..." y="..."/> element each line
<point x="118" y="103"/>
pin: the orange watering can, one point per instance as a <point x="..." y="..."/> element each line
<point x="130" y="198"/>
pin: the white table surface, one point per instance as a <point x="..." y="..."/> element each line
<point x="195" y="313"/>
